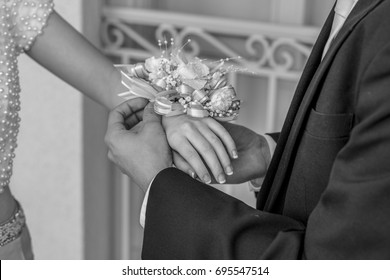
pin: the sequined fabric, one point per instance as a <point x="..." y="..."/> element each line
<point x="20" y="22"/>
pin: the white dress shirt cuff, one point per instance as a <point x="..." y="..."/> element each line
<point x="142" y="215"/>
<point x="255" y="184"/>
<point x="271" y="144"/>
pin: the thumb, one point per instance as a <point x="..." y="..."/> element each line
<point x="150" y="115"/>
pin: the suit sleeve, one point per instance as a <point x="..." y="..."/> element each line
<point x="186" y="219"/>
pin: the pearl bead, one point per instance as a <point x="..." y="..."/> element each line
<point x="18" y="34"/>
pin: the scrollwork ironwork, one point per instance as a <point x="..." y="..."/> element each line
<point x="258" y="51"/>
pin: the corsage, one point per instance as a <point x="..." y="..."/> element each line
<point x="178" y="84"/>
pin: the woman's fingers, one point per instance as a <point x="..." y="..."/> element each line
<point x="182" y="164"/>
<point x="190" y="155"/>
<point x="219" y="148"/>
<point x="224" y="135"/>
<point x="203" y="146"/>
<point x="208" y="153"/>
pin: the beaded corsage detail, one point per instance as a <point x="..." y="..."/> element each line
<point x="183" y="85"/>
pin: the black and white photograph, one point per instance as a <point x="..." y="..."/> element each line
<point x="195" y="130"/>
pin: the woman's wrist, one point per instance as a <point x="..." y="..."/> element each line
<point x="115" y="87"/>
<point x="7" y="205"/>
<point x="13" y="226"/>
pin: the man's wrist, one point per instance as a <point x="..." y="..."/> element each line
<point x="148" y="180"/>
<point x="268" y="148"/>
<point x="145" y="201"/>
<point x="142" y="216"/>
<point x="255" y="184"/>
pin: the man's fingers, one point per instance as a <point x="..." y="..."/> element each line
<point x="150" y="115"/>
<point x="134" y="119"/>
<point x="126" y="110"/>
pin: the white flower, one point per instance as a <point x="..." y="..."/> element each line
<point x="195" y="69"/>
<point x="221" y="99"/>
<point x="155" y="67"/>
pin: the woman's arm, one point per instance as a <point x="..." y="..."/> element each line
<point x="67" y="54"/>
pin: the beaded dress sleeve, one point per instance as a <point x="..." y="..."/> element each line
<point x="29" y="17"/>
<point x="21" y="21"/>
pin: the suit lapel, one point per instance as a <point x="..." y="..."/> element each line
<point x="362" y="8"/>
<point x="307" y="75"/>
<point x="306" y="91"/>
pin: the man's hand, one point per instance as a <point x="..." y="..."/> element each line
<point x="253" y="155"/>
<point x="137" y="142"/>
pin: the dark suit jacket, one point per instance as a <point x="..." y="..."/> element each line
<point x="327" y="191"/>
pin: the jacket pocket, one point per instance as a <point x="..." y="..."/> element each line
<point x="324" y="137"/>
<point x="329" y="125"/>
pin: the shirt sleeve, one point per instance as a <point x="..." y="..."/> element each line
<point x="29" y="17"/>
<point x="255" y="184"/>
<point x="144" y="205"/>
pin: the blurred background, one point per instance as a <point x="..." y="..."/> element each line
<point x="78" y="205"/>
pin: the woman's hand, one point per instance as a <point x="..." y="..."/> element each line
<point x="200" y="145"/>
<point x="252" y="148"/>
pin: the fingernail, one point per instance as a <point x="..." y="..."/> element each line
<point x="192" y="174"/>
<point x="229" y="170"/>
<point x="207" y="179"/>
<point x="221" y="178"/>
<point x="234" y="154"/>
